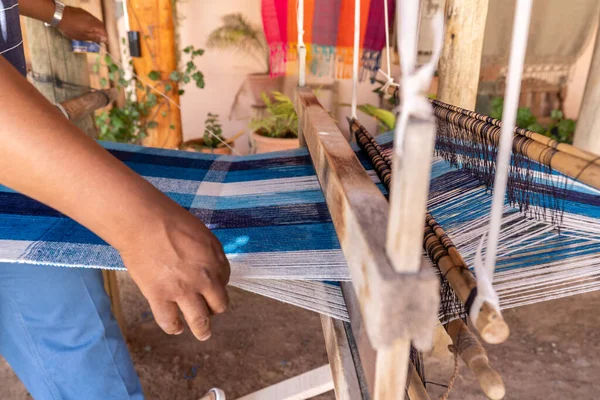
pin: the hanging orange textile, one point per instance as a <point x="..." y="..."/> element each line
<point x="345" y="39"/>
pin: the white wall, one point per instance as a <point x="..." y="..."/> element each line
<point x="225" y="71"/>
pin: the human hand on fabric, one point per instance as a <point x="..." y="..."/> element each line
<point x="179" y="264"/>
<point x="79" y="24"/>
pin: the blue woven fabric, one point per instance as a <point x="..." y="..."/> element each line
<point x="270" y="215"/>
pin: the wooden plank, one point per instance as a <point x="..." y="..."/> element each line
<point x="112" y="45"/>
<point x="154" y="20"/>
<point x="460" y="62"/>
<point x="392" y="304"/>
<point x="112" y="288"/>
<point x="587" y="132"/>
<point x="57" y="72"/>
<point x="343" y="368"/>
<point x="305" y="386"/>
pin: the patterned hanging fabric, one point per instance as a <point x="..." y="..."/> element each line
<point x="345" y="37"/>
<point x="275" y="20"/>
<point x="324" y="35"/>
<point x="375" y="36"/>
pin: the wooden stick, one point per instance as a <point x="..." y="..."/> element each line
<point x="416" y="389"/>
<point x="475" y="356"/>
<point x="541" y="139"/>
<point x="110" y="23"/>
<point x="81" y="106"/>
<point x="585" y="171"/>
<point x="490" y="324"/>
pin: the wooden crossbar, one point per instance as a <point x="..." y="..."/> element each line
<point x="396" y="304"/>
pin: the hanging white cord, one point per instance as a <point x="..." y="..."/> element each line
<point x="301" y="45"/>
<point x="389" y="81"/>
<point x="168" y="99"/>
<point x="355" y="57"/>
<point x="485" y="270"/>
<point x="415" y="82"/>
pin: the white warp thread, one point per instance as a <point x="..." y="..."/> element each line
<point x="355" y="57"/>
<point x="301" y="45"/>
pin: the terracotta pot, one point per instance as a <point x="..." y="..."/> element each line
<point x="197" y="145"/>
<point x="264" y="144"/>
<point x="260" y="83"/>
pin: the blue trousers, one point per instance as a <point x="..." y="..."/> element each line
<point x="58" y="334"/>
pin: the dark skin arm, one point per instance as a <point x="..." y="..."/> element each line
<point x="76" y="23"/>
<point x="178" y="264"/>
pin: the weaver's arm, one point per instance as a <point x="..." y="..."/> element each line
<point x="76" y="23"/>
<point x="172" y="256"/>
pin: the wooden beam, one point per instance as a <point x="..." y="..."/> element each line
<point x="343" y="366"/>
<point x="57" y="72"/>
<point x="111" y="285"/>
<point x="587" y="133"/>
<point x="305" y="386"/>
<point x="460" y="62"/>
<point x="154" y="20"/>
<point x="112" y="45"/>
<point x="389" y="301"/>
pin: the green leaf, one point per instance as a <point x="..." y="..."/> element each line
<point x="181" y="91"/>
<point x="556" y="115"/>
<point x="186" y="79"/>
<point x="175" y="76"/>
<point x="152" y="124"/>
<point x="168" y="87"/>
<point x="96" y="68"/>
<point x="525" y="117"/>
<point x="188" y="49"/>
<point x="164" y="113"/>
<point x="154" y="75"/>
<point x="198" y="52"/>
<point x="172" y="127"/>
<point x="387" y="118"/>
<point x="103" y="82"/>
<point x="191" y="66"/>
<point x="536" y="127"/>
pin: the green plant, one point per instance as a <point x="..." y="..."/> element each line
<point x="560" y="128"/>
<point x="280" y="120"/>
<point x="238" y="33"/>
<point x="386" y="119"/>
<point x="213" y="131"/>
<point x="130" y="122"/>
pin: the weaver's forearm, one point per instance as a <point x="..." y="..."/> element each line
<point x="44" y="156"/>
<point x="42" y="10"/>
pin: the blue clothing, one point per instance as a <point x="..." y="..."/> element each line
<point x="57" y="331"/>
<point x="11" y="42"/>
<point x="59" y="336"/>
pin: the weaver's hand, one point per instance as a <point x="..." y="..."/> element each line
<point x="180" y="265"/>
<point x="79" y="24"/>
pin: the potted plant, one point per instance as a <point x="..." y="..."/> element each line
<point x="237" y="33"/>
<point x="277" y="129"/>
<point x="212" y="141"/>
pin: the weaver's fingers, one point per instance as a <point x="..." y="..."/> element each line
<point x="213" y="290"/>
<point x="166" y="315"/>
<point x="196" y="314"/>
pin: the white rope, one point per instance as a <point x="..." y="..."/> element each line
<point x="415" y="81"/>
<point x="484" y="270"/>
<point x="355" y="58"/>
<point x="389" y="81"/>
<point x="301" y="45"/>
<point x="153" y="88"/>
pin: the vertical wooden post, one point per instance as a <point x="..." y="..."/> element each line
<point x="461" y="58"/>
<point x="587" y="136"/>
<point x="408" y="203"/>
<point x="154" y="20"/>
<point x="113" y="47"/>
<point x="57" y="72"/>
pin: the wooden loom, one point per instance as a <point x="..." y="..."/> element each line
<point x="392" y="299"/>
